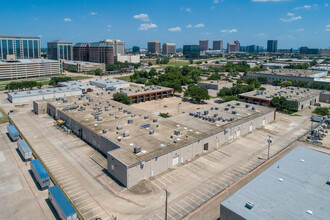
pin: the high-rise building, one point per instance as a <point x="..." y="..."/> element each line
<point x="23" y="47"/>
<point x="98" y="52"/>
<point x="204" y="44"/>
<point x="217" y="45"/>
<point x="271" y="46"/>
<point x="118" y="46"/>
<point x="60" y="50"/>
<point x="231" y="47"/>
<point x="238" y="45"/>
<point x="306" y="50"/>
<point x="136" y="49"/>
<point x="169" y="48"/>
<point x="154" y="47"/>
<point x="191" y="51"/>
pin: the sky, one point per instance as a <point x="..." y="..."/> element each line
<point x="294" y="23"/>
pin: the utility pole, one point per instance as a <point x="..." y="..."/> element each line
<point x="269" y="140"/>
<point x="167" y="195"/>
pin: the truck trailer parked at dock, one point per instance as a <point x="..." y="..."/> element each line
<point x="40" y="174"/>
<point x="62" y="206"/>
<point x="24" y="149"/>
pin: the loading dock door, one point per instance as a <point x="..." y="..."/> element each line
<point x="206" y="146"/>
<point x="250" y="129"/>
<point x="175" y="160"/>
<point x="263" y="122"/>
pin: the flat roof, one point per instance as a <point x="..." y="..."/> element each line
<point x="109" y="82"/>
<point x="291" y="72"/>
<point x="24" y="61"/>
<point x="289" y="189"/>
<point x="290" y="93"/>
<point x="162" y="140"/>
<point x="62" y="201"/>
<point x="140" y="90"/>
<point x="215" y="82"/>
<point x="36" y="92"/>
<point x="39" y="169"/>
<point x="75" y="84"/>
<point x="82" y="63"/>
<point x="17" y="36"/>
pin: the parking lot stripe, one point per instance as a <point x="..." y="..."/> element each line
<point x="158" y="179"/>
<point x="64" y="185"/>
<point x="95" y="215"/>
<point x="91" y="210"/>
<point x="182" y="200"/>
<point x="155" y="185"/>
<point x="77" y="193"/>
<point x="193" y="200"/>
<point x="158" y="216"/>
<point x="197" y="197"/>
<point x="181" y="207"/>
<point x="83" y="201"/>
<point x="175" y="211"/>
<point x="87" y="205"/>
<point x="166" y="179"/>
<point x="66" y="180"/>
<point x="80" y="196"/>
<point x="72" y="190"/>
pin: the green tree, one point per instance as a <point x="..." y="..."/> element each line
<point x="196" y="93"/>
<point x="122" y="98"/>
<point x="323" y="111"/>
<point x="98" y="71"/>
<point x="286" y="84"/>
<point x="276" y="82"/>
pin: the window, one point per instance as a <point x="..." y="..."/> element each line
<point x="35" y="48"/>
<point x="30" y="49"/>
<point x="10" y="47"/>
<point x="25" y="49"/>
<point x="18" y="49"/>
<point x="4" y="49"/>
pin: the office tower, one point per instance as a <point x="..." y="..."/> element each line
<point x="136" y="49"/>
<point x="23" y="47"/>
<point x="204" y="45"/>
<point x="154" y="47"/>
<point x="271" y="46"/>
<point x="231" y="47"/>
<point x="191" y="51"/>
<point x="169" y="48"/>
<point x="217" y="45"/>
<point x="60" y="50"/>
<point x="98" y="52"/>
<point x="118" y="46"/>
<point x="237" y="45"/>
<point x="306" y="50"/>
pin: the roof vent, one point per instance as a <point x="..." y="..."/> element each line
<point x="280" y="179"/>
<point x="137" y="149"/>
<point x="249" y="205"/>
<point x="309" y="212"/>
<point x="328" y="182"/>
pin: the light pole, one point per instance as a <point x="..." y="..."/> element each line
<point x="167" y="195"/>
<point x="269" y="140"/>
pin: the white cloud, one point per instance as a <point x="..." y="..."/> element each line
<point x="189" y="26"/>
<point x="290" y="14"/>
<point x="206" y="33"/>
<point x="291" y="19"/>
<point x="215" y="1"/>
<point x="188" y="9"/>
<point x="145" y="27"/>
<point x="328" y="26"/>
<point x="93" y="13"/>
<point x="67" y="19"/>
<point x="213" y="7"/>
<point x="200" y="25"/>
<point x="269" y="0"/>
<point x="142" y="17"/>
<point x="326" y="4"/>
<point x="261" y="35"/>
<point x="300" y="29"/>
<point x="174" y="29"/>
<point x="328" y="29"/>
<point x="109" y="26"/>
<point x="229" y="31"/>
<point x="306" y="7"/>
<point x="40" y="35"/>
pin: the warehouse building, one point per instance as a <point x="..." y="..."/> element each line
<point x="82" y="66"/>
<point x="139" y="144"/>
<point x="147" y="93"/>
<point x="16" y="69"/>
<point x="85" y="87"/>
<point x="295" y="187"/>
<point x="215" y="84"/>
<point x="302" y="96"/>
<point x="40" y="94"/>
<point x="325" y="97"/>
<point x="109" y="84"/>
<point x="293" y="75"/>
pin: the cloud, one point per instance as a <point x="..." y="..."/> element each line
<point x="145" y="27"/>
<point x="206" y="33"/>
<point x="93" y="13"/>
<point x="299" y="29"/>
<point x="291" y="19"/>
<point x="290" y="14"/>
<point x="200" y="25"/>
<point x="174" y="29"/>
<point x="109" y="26"/>
<point x="306" y="7"/>
<point x="188" y="9"/>
<point x="269" y="0"/>
<point x="213" y="7"/>
<point x="67" y="19"/>
<point x="326" y="4"/>
<point x="185" y="9"/>
<point x="40" y="35"/>
<point x="142" y="17"/>
<point x="261" y="35"/>
<point x="215" y="1"/>
<point x="229" y="31"/>
<point x="327" y="27"/>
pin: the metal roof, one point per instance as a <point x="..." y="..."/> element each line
<point x="292" y="187"/>
<point x="39" y="169"/>
<point x="25" y="147"/>
<point x="36" y="92"/>
<point x="62" y="201"/>
<point x="12" y="129"/>
<point x="23" y="61"/>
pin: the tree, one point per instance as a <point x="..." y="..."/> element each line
<point x="286" y="84"/>
<point x="191" y="61"/>
<point x="282" y="104"/>
<point x="123" y="98"/>
<point x="262" y="80"/>
<point x="98" y="71"/>
<point x="196" y="93"/>
<point x="39" y="85"/>
<point x="323" y="111"/>
<point x="150" y="64"/>
<point x="165" y="115"/>
<point x="276" y="82"/>
<point x="56" y="80"/>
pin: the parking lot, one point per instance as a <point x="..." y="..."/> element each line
<point x="81" y="171"/>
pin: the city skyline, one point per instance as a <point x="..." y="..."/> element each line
<point x="295" y="23"/>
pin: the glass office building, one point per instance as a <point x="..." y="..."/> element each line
<point x="23" y="47"/>
<point x="59" y="50"/>
<point x="191" y="51"/>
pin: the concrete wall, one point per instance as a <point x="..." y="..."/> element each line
<point x="227" y="214"/>
<point x="309" y="102"/>
<point x="39" y="107"/>
<point x="325" y="97"/>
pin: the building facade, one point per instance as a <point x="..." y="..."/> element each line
<point x="23" y="47"/>
<point x="29" y="68"/>
<point x="169" y="48"/>
<point x="82" y="66"/>
<point x="118" y="46"/>
<point x="98" y="52"/>
<point x="237" y="45"/>
<point x="191" y="51"/>
<point x="217" y="45"/>
<point x="231" y="47"/>
<point x="60" y="50"/>
<point x="271" y="46"/>
<point x="135" y="49"/>
<point x="129" y="58"/>
<point x="154" y="47"/>
<point x="204" y="44"/>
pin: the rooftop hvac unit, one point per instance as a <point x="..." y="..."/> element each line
<point x="253" y="108"/>
<point x="130" y="121"/>
<point x="177" y="132"/>
<point x="146" y="117"/>
<point x="119" y="127"/>
<point x="119" y="138"/>
<point x="151" y="132"/>
<point x="233" y="107"/>
<point x="125" y="110"/>
<point x="111" y="113"/>
<point x="133" y="115"/>
<point x="104" y="131"/>
<point x="249" y="205"/>
<point x="216" y="108"/>
<point x="191" y="113"/>
<point x="228" y="104"/>
<point x="120" y="108"/>
<point x="137" y="149"/>
<point x="219" y="118"/>
<point x="99" y="118"/>
<point x="238" y="103"/>
<point x="126" y="134"/>
<point x="226" y="109"/>
<point x="117" y="117"/>
<point x="206" y="112"/>
<point x="212" y="108"/>
<point x="234" y="112"/>
<point x="215" y="115"/>
<point x="154" y="120"/>
<point x="226" y="130"/>
<point x="247" y="106"/>
<point x="328" y="182"/>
